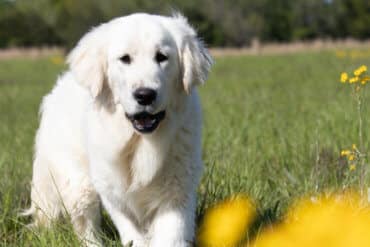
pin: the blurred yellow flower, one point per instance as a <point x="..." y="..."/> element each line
<point x="339" y="221"/>
<point x="351" y="157"/>
<point x="357" y="72"/>
<point x="364" y="79"/>
<point x="359" y="76"/>
<point x="352" y="167"/>
<point x="343" y="77"/>
<point x="360" y="70"/>
<point x="354" y="147"/>
<point x="353" y="79"/>
<point x="57" y="60"/>
<point x="226" y="224"/>
<point x="340" y="54"/>
<point x="345" y="152"/>
<point x="363" y="68"/>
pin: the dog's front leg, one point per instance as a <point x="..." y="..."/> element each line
<point x="173" y="227"/>
<point x="127" y="229"/>
<point x="111" y="188"/>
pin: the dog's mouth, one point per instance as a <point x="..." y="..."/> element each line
<point x="145" y="122"/>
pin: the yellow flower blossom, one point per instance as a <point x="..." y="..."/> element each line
<point x="345" y="152"/>
<point x="57" y="60"/>
<point x="351" y="157"/>
<point x="343" y="77"/>
<point x="225" y="224"/>
<point x="360" y="70"/>
<point x="336" y="222"/>
<point x="359" y="76"/>
<point x="352" y="167"/>
<point x="357" y="72"/>
<point x="340" y="54"/>
<point x="364" y="79"/>
<point x="363" y="68"/>
<point x="353" y="79"/>
<point x="354" y="147"/>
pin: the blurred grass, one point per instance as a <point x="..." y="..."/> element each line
<point x="274" y="127"/>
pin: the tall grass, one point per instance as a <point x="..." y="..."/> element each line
<point x="273" y="128"/>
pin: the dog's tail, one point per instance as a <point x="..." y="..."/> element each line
<point x="39" y="217"/>
<point x="30" y="212"/>
<point x="39" y="212"/>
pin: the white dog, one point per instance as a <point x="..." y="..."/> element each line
<point x="123" y="125"/>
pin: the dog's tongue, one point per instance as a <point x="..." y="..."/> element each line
<point x="145" y="122"/>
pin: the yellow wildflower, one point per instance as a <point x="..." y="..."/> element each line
<point x="225" y="224"/>
<point x="354" y="147"/>
<point x="335" y="221"/>
<point x="351" y="157"/>
<point x="353" y="79"/>
<point x="357" y="72"/>
<point x="352" y="167"/>
<point x="340" y="54"/>
<point x="345" y="152"/>
<point x="343" y="77"/>
<point x="365" y="79"/>
<point x="356" y="54"/>
<point x="57" y="60"/>
<point x="363" y="68"/>
<point x="360" y="70"/>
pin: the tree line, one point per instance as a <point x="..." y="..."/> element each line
<point x="219" y="22"/>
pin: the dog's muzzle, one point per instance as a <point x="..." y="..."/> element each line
<point x="145" y="122"/>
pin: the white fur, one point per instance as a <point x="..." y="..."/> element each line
<point x="86" y="148"/>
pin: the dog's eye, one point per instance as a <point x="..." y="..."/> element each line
<point x="160" y="57"/>
<point x="125" y="59"/>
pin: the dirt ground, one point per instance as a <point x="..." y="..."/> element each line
<point x="34" y="52"/>
<point x="256" y="48"/>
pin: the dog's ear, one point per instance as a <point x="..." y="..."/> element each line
<point x="88" y="60"/>
<point x="195" y="59"/>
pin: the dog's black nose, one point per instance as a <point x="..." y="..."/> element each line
<point x="145" y="96"/>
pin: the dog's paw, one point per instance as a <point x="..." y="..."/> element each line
<point x="134" y="243"/>
<point x="129" y="244"/>
<point x="172" y="244"/>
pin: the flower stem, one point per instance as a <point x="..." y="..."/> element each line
<point x="361" y="144"/>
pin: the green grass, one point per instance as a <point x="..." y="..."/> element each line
<point x="273" y="128"/>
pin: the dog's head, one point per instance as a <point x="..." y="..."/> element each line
<point x="146" y="61"/>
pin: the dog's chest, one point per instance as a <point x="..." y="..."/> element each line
<point x="129" y="179"/>
<point x="140" y="201"/>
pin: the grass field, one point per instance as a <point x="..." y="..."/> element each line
<point x="273" y="128"/>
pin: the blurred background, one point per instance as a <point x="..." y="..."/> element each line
<point x="221" y="23"/>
